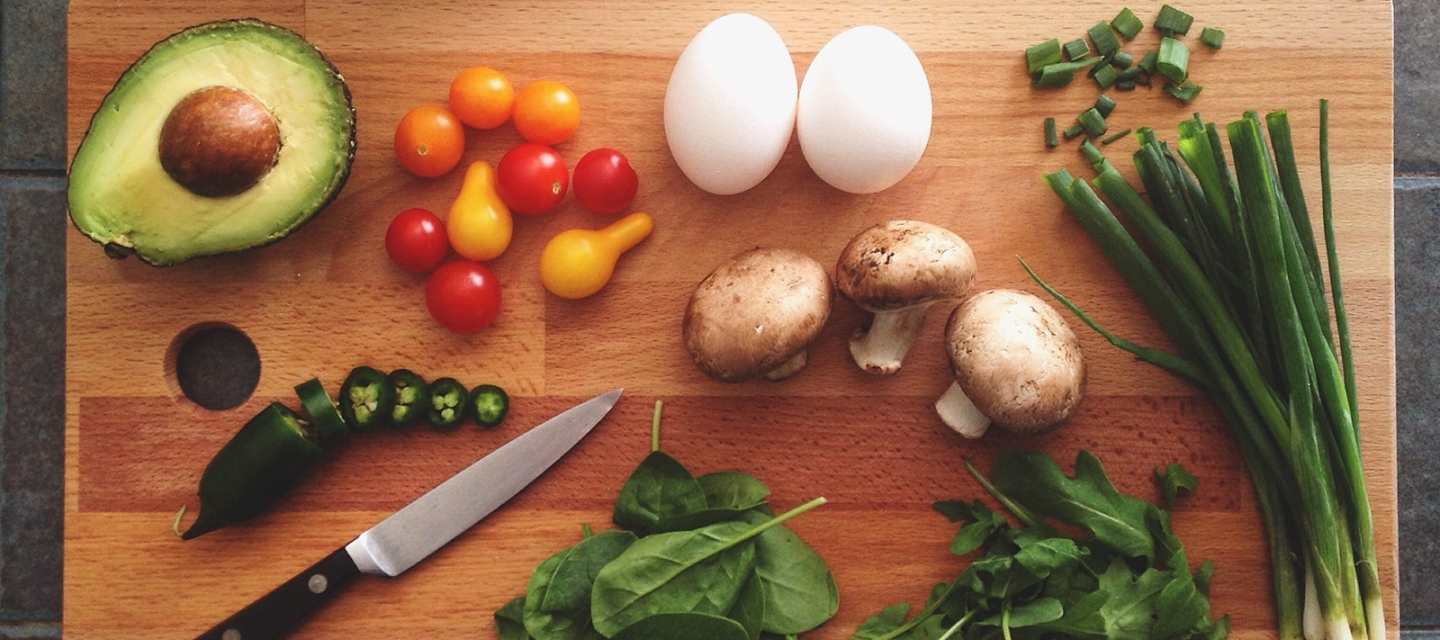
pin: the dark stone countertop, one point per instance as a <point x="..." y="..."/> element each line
<point x="32" y="343"/>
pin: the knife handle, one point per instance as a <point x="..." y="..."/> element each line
<point x="279" y="611"/>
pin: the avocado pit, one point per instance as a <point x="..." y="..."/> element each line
<point x="219" y="141"/>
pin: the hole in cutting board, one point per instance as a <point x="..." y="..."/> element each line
<point x="215" y="365"/>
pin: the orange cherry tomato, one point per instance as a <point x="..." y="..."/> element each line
<point x="546" y="112"/>
<point x="481" y="97"/>
<point x="429" y="141"/>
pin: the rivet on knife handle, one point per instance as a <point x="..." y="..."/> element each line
<point x="279" y="611"/>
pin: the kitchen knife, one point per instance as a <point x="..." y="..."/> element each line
<point x="418" y="529"/>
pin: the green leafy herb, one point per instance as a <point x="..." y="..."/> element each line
<point x="683" y="626"/>
<point x="749" y="609"/>
<point x="1173" y="479"/>
<point x="800" y="591"/>
<point x="510" y="620"/>
<point x="659" y="489"/>
<point x="1128" y="580"/>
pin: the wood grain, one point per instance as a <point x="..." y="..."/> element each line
<point x="327" y="299"/>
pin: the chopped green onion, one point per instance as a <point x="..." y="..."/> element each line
<point x="1093" y="122"/>
<point x="1172" y="21"/>
<point x="1051" y="140"/>
<point x="1106" y="76"/>
<point x="1104" y="39"/>
<point x="1212" y="37"/>
<point x="1174" y="59"/>
<point x="1131" y="74"/>
<point x="1127" y="23"/>
<point x="1076" y="49"/>
<point x="1060" y="73"/>
<point x="1045" y="53"/>
<point x="1185" y="92"/>
<point x="1072" y="131"/>
<point x="1125" y="85"/>
<point x="1123" y="60"/>
<point x="1147" y="61"/>
<point x="1115" y="136"/>
<point x="1104" y="104"/>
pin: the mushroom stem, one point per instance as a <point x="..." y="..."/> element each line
<point x="959" y="413"/>
<point x="791" y="366"/>
<point x="880" y="348"/>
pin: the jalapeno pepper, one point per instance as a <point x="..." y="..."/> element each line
<point x="259" y="463"/>
<point x="488" y="405"/>
<point x="412" y="396"/>
<point x="366" y="399"/>
<point x="447" y="404"/>
<point x="323" y="414"/>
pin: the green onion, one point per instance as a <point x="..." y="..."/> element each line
<point x="1106" y="76"/>
<point x="1050" y="138"/>
<point x="1231" y="274"/>
<point x="1060" y="73"/>
<point x="1093" y="122"/>
<point x="1040" y="55"/>
<point x="1115" y="136"/>
<point x="1123" y="60"/>
<point x="1076" y="49"/>
<point x="1104" y="104"/>
<point x="1073" y="131"/>
<point x="1174" y="59"/>
<point x="1096" y="159"/>
<point x="1212" y="37"/>
<point x="1147" y="61"/>
<point x="1172" y="21"/>
<point x="1104" y="39"/>
<point x="1127" y="23"/>
<point x="1131" y="74"/>
<point x="1184" y="92"/>
<point x="1125" y="85"/>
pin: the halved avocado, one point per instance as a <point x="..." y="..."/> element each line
<point x="223" y="137"/>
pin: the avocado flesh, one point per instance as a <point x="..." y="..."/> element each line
<point x="121" y="196"/>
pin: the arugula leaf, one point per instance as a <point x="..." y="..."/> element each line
<point x="1041" y="556"/>
<point x="1173" y="479"/>
<point x="979" y="524"/>
<point x="1088" y="500"/>
<point x="1033" y="613"/>
<point x="1180" y="609"/>
<point x="1082" y="619"/>
<point x="1130" y="610"/>
<point x="881" y="624"/>
<point x="658" y="489"/>
<point x="510" y="620"/>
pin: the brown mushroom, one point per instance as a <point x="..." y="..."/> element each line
<point x="1016" y="364"/>
<point x="897" y="270"/>
<point x="755" y="315"/>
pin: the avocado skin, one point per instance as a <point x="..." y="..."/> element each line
<point x="119" y="251"/>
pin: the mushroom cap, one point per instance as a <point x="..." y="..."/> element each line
<point x="1016" y="359"/>
<point x="904" y="263"/>
<point x="755" y="312"/>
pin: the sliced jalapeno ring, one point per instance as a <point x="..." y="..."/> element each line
<point x="254" y="468"/>
<point x="321" y="409"/>
<point x="447" y="404"/>
<point x="488" y="405"/>
<point x="366" y="399"/>
<point x="412" y="396"/>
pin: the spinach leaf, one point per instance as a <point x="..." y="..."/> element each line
<point x="658" y="489"/>
<point x="510" y="620"/>
<point x="569" y="587"/>
<point x="733" y="490"/>
<point x="698" y="571"/>
<point x="552" y="625"/>
<point x="1088" y="500"/>
<point x="682" y="626"/>
<point x="749" y="609"/>
<point x="800" y="591"/>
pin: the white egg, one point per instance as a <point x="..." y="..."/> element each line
<point x="730" y="104"/>
<point x="864" y="112"/>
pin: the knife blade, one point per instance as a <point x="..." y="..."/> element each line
<point x="418" y="529"/>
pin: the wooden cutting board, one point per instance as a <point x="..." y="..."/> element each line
<point x="326" y="299"/>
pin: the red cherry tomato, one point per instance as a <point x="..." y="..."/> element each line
<point x="605" y="183"/>
<point x="463" y="296"/>
<point x="416" y="241"/>
<point x="532" y="179"/>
